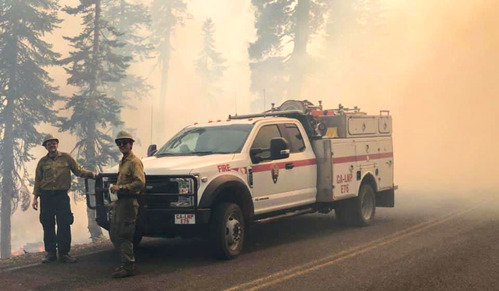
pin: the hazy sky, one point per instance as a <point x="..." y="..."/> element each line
<point x="433" y="64"/>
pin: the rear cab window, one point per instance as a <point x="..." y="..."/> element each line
<point x="294" y="137"/>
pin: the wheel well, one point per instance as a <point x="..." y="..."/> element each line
<point x="370" y="180"/>
<point x="235" y="194"/>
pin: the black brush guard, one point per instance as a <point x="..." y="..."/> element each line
<point x="156" y="216"/>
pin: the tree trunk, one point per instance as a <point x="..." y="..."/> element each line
<point x="8" y="186"/>
<point x="161" y="112"/>
<point x="7" y="183"/>
<point x="298" y="60"/>
<point x="165" y="67"/>
<point x="5" y="251"/>
<point x="93" y="228"/>
<point x="120" y="97"/>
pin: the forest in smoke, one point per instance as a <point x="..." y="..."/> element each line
<point x="84" y="69"/>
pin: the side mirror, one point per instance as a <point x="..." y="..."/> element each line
<point x="279" y="148"/>
<point x="253" y="154"/>
<point x="151" y="150"/>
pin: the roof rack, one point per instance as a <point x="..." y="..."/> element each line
<point x="292" y="113"/>
<point x="306" y="120"/>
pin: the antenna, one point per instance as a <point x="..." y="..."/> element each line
<point x="264" y="99"/>
<point x="235" y="101"/>
<point x="152" y="107"/>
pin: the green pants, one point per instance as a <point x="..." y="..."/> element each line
<point x="55" y="208"/>
<point x="122" y="229"/>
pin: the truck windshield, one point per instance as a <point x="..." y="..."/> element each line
<point x="207" y="140"/>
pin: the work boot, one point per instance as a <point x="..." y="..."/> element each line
<point x="67" y="259"/>
<point x="122" y="272"/>
<point x="49" y="258"/>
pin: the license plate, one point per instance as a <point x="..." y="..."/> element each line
<point x="185" y="219"/>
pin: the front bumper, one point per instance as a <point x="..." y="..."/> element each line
<point x="162" y="222"/>
<point x="156" y="216"/>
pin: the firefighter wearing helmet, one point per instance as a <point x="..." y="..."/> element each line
<point x="52" y="182"/>
<point x="130" y="184"/>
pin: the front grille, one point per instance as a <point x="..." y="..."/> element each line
<point x="160" y="184"/>
<point x="160" y="192"/>
<point x="161" y="201"/>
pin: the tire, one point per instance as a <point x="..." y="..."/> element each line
<point x="342" y="212"/>
<point x="227" y="230"/>
<point x="358" y="211"/>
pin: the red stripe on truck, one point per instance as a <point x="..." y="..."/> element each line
<point x="282" y="165"/>
<point x="309" y="162"/>
<point x="341" y="160"/>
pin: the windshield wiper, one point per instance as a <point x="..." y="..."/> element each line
<point x="210" y="153"/>
<point x="165" y="154"/>
<point x="201" y="153"/>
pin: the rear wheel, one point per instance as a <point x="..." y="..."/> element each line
<point x="358" y="211"/>
<point x="227" y="231"/>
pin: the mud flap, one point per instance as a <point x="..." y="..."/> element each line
<point x="385" y="198"/>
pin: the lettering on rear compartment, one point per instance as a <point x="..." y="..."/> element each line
<point x="343" y="180"/>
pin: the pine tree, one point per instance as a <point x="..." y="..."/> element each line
<point x="92" y="66"/>
<point x="210" y="64"/>
<point x="26" y="98"/>
<point x="354" y="26"/>
<point x="275" y="67"/>
<point x="355" y="19"/>
<point x="131" y="20"/>
<point x="167" y="15"/>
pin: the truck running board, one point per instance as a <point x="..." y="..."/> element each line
<point x="284" y="215"/>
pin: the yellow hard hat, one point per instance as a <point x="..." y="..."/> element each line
<point x="49" y="137"/>
<point x="124" y="135"/>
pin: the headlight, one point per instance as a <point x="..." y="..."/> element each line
<point x="185" y="185"/>
<point x="183" y="202"/>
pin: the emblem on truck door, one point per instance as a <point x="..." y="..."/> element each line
<point x="275" y="173"/>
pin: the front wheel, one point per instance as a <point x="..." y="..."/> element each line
<point x="227" y="230"/>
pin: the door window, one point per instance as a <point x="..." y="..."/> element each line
<point x="294" y="138"/>
<point x="262" y="140"/>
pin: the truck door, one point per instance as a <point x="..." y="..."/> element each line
<point x="304" y="171"/>
<point x="278" y="184"/>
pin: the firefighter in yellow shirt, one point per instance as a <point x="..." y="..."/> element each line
<point x="130" y="184"/>
<point x="52" y="182"/>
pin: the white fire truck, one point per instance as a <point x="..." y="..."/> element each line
<point x="215" y="179"/>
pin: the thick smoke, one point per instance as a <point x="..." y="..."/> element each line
<point x="434" y="64"/>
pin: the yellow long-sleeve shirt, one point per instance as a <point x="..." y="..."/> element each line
<point x="131" y="175"/>
<point x="55" y="173"/>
